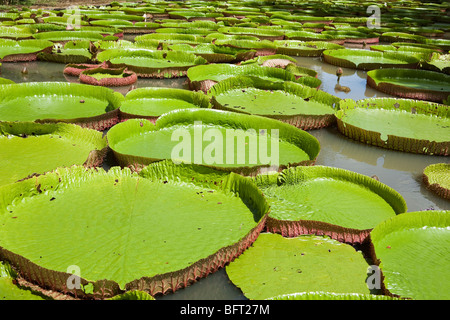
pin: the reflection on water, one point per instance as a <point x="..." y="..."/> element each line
<point x="401" y="171"/>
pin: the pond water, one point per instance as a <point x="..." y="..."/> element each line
<point x="401" y="171"/>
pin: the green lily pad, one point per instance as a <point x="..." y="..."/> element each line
<point x="22" y="50"/>
<point x="90" y="106"/>
<point x="437" y="178"/>
<point x="302" y="106"/>
<point x="153" y="64"/>
<point x="369" y="60"/>
<point x="32" y="148"/>
<point x="150" y="103"/>
<point x="213" y="53"/>
<point x="411" y="250"/>
<point x="205" y="76"/>
<point x="401" y="124"/>
<point x="242" y="143"/>
<point x="304" y="48"/>
<point x="64" y="36"/>
<point x="137" y="252"/>
<point x="275" y="265"/>
<point x="411" y="84"/>
<point x="341" y="204"/>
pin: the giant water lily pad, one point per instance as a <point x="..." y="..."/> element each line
<point x="215" y="54"/>
<point x="301" y="106"/>
<point x="341" y="204"/>
<point x="89" y="106"/>
<point x="205" y="76"/>
<point x="153" y="64"/>
<point x="304" y="48"/>
<point x="437" y="178"/>
<point x="275" y="265"/>
<point x="401" y="124"/>
<point x="151" y="103"/>
<point x="32" y="148"/>
<point x="411" y="84"/>
<point x="369" y="60"/>
<point x="23" y="50"/>
<point x="237" y="142"/>
<point x="122" y="244"/>
<point x="411" y="251"/>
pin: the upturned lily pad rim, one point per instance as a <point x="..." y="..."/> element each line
<point x="379" y="79"/>
<point x="160" y="172"/>
<point x="337" y="57"/>
<point x="434" y="181"/>
<point x="394" y="142"/>
<point x="231" y="120"/>
<point x="293" y="228"/>
<point x="127" y="77"/>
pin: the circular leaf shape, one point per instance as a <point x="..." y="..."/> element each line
<point x="89" y="106"/>
<point x="341" y="204"/>
<point x="131" y="232"/>
<point x="401" y="124"/>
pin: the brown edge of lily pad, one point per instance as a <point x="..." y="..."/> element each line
<point x="24" y="57"/>
<point x="129" y="78"/>
<point x="436" y="188"/>
<point x="301" y="227"/>
<point x="99" y="123"/>
<point x="158" y="73"/>
<point x="75" y="70"/>
<point x="394" y="142"/>
<point x="407" y="93"/>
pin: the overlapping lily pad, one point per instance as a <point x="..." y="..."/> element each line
<point x="32" y="148"/>
<point x="411" y="84"/>
<point x="152" y="64"/>
<point x="341" y="204"/>
<point x="401" y="124"/>
<point x="126" y="211"/>
<point x="301" y="106"/>
<point x="369" y="60"/>
<point x="276" y="265"/>
<point x="410" y="249"/>
<point x="437" y="178"/>
<point x="88" y="106"/>
<point x="151" y="103"/>
<point x="238" y="142"/>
